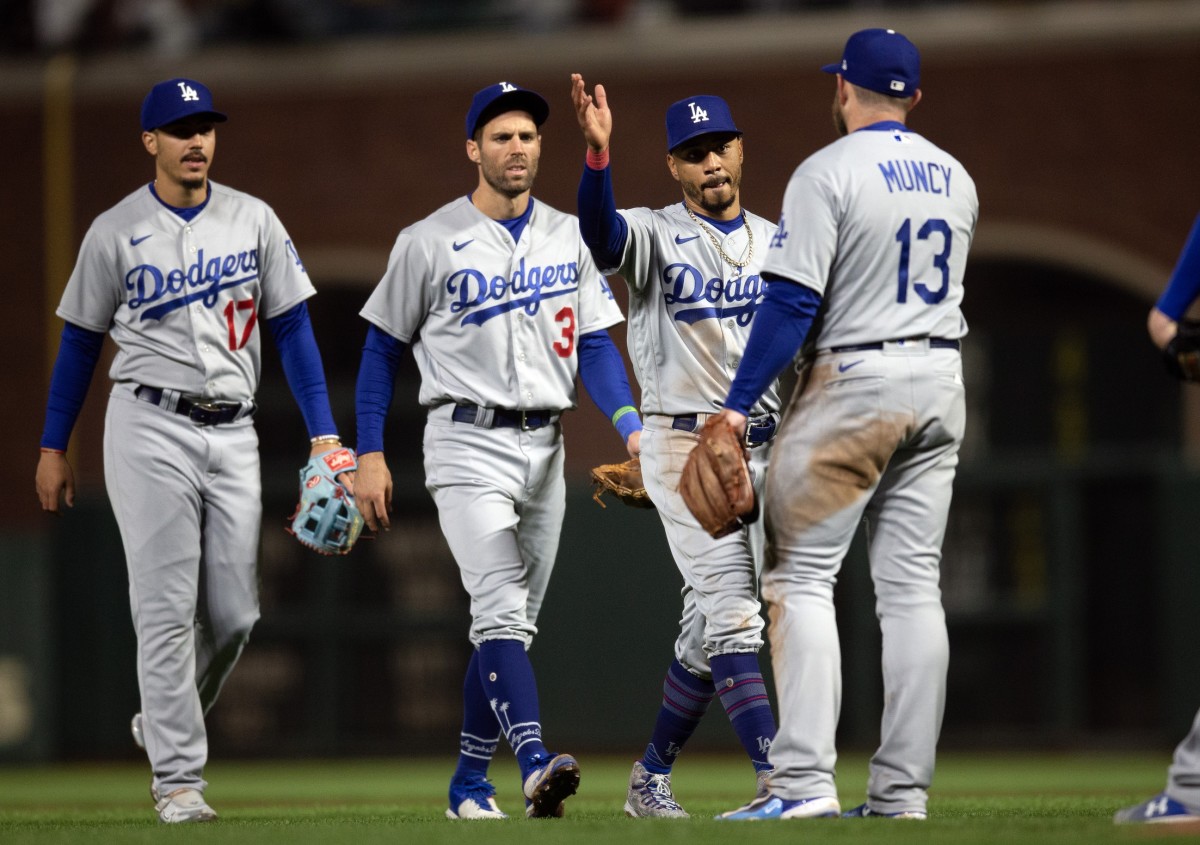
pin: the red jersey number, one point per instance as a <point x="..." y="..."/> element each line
<point x="565" y="345"/>
<point x="231" y="309"/>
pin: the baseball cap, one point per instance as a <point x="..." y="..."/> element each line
<point x="697" y="115"/>
<point x="501" y="97"/>
<point x="176" y="99"/>
<point x="880" y="60"/>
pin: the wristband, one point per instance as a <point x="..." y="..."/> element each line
<point x="325" y="438"/>
<point x="597" y="161"/>
<point x="50" y="451"/>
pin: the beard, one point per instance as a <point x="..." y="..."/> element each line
<point x="509" y="186"/>
<point x="712" y="206"/>
<point x="839" y="119"/>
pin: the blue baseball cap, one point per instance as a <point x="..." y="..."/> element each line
<point x="501" y="97"/>
<point x="697" y="115"/>
<point x="176" y="99"/>
<point x="880" y="60"/>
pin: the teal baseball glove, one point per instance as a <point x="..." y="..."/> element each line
<point x="327" y="520"/>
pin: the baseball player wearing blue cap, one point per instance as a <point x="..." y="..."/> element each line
<point x="693" y="271"/>
<point x="503" y="306"/>
<point x="1179" y="339"/>
<point x="181" y="273"/>
<point x="872" y="243"/>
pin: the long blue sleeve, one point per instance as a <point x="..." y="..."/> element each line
<point x="603" y="230"/>
<point x="293" y="335"/>
<point x="1184" y="286"/>
<point x="602" y="371"/>
<point x="78" y="352"/>
<point x="780" y="325"/>
<point x="376" y="383"/>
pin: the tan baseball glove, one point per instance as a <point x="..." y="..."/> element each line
<point x="716" y="484"/>
<point x="622" y="480"/>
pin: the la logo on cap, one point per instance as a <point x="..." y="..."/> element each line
<point x="698" y="114"/>
<point x="188" y="92"/>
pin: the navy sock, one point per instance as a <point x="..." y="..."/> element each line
<point x="685" y="700"/>
<point x="511" y="691"/>
<point x="744" y="697"/>
<point x="480" y="731"/>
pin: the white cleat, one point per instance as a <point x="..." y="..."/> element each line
<point x="650" y="796"/>
<point x="183" y="806"/>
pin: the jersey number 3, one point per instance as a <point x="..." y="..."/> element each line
<point x="236" y="342"/>
<point x="933" y="226"/>
<point x="565" y="345"/>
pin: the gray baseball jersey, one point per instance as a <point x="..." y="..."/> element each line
<point x="182" y="300"/>
<point x="496" y="324"/>
<point x="880" y="223"/>
<point x="491" y="322"/>
<point x="689" y="311"/>
<point x="690" y="315"/>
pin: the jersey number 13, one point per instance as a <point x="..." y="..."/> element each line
<point x="941" y="261"/>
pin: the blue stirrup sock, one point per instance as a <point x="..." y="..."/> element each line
<point x="510" y="689"/>
<point x="480" y="732"/>
<point x="743" y="694"/>
<point x="685" y="700"/>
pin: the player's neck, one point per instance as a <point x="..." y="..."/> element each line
<point x="732" y="213"/>
<point x="499" y="206"/>
<point x="179" y="195"/>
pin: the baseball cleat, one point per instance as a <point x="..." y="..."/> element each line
<point x="650" y="795"/>
<point x="135" y="728"/>
<point x="184" y="805"/>
<point x="771" y="807"/>
<point x="546" y="787"/>
<point x="862" y="811"/>
<point x="473" y="798"/>
<point x="1160" y="809"/>
<point x="761" y="789"/>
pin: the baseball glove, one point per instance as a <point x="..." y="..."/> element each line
<point x="326" y="518"/>
<point x="622" y="480"/>
<point x="1182" y="353"/>
<point x="716" y="484"/>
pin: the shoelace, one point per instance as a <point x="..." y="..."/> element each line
<point x="659" y="788"/>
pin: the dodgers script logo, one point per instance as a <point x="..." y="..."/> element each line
<point x="202" y="281"/>
<point x="684" y="285"/>
<point x="472" y="292"/>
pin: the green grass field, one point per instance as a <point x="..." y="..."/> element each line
<point x="977" y="799"/>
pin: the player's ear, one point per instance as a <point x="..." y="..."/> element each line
<point x="150" y="142"/>
<point x="671" y="167"/>
<point x="916" y="98"/>
<point x="472" y="150"/>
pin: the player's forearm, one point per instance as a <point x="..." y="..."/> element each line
<point x="602" y="371"/>
<point x="781" y="323"/>
<point x="78" y="352"/>
<point x="1184" y="285"/>
<point x="603" y="230"/>
<point x="303" y="369"/>
<point x="373" y="390"/>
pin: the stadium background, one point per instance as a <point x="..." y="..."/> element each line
<point x="1070" y="575"/>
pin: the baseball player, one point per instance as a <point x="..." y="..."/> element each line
<point x="693" y="270"/>
<point x="1180" y="341"/>
<point x="181" y="273"/>
<point x="503" y="306"/>
<point x="872" y="242"/>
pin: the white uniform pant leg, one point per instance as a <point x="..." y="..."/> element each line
<point x="228" y="606"/>
<point x="721" y="606"/>
<point x="153" y="469"/>
<point x="826" y="461"/>
<point x="1183" y="776"/>
<point x="500" y="496"/>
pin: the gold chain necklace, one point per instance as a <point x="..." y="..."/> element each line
<point x="749" y="240"/>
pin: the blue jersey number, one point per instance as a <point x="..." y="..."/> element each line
<point x="941" y="261"/>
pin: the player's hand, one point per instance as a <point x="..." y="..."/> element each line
<point x="54" y="479"/>
<point x="1161" y="328"/>
<point x="736" y="420"/>
<point x="346" y="479"/>
<point x="633" y="444"/>
<point x="591" y="110"/>
<point x="373" y="483"/>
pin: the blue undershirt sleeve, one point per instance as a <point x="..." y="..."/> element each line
<point x="1184" y="285"/>
<point x="293" y="336"/>
<point x="376" y="383"/>
<point x="78" y="352"/>
<point x="602" y="371"/>
<point x="780" y="326"/>
<point x="603" y="230"/>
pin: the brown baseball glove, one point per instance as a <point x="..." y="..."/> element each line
<point x="1182" y="354"/>
<point x="622" y="480"/>
<point x="716" y="484"/>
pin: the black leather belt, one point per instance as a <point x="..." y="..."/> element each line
<point x="934" y="343"/>
<point x="201" y="413"/>
<point x="759" y="430"/>
<point x="504" y="418"/>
